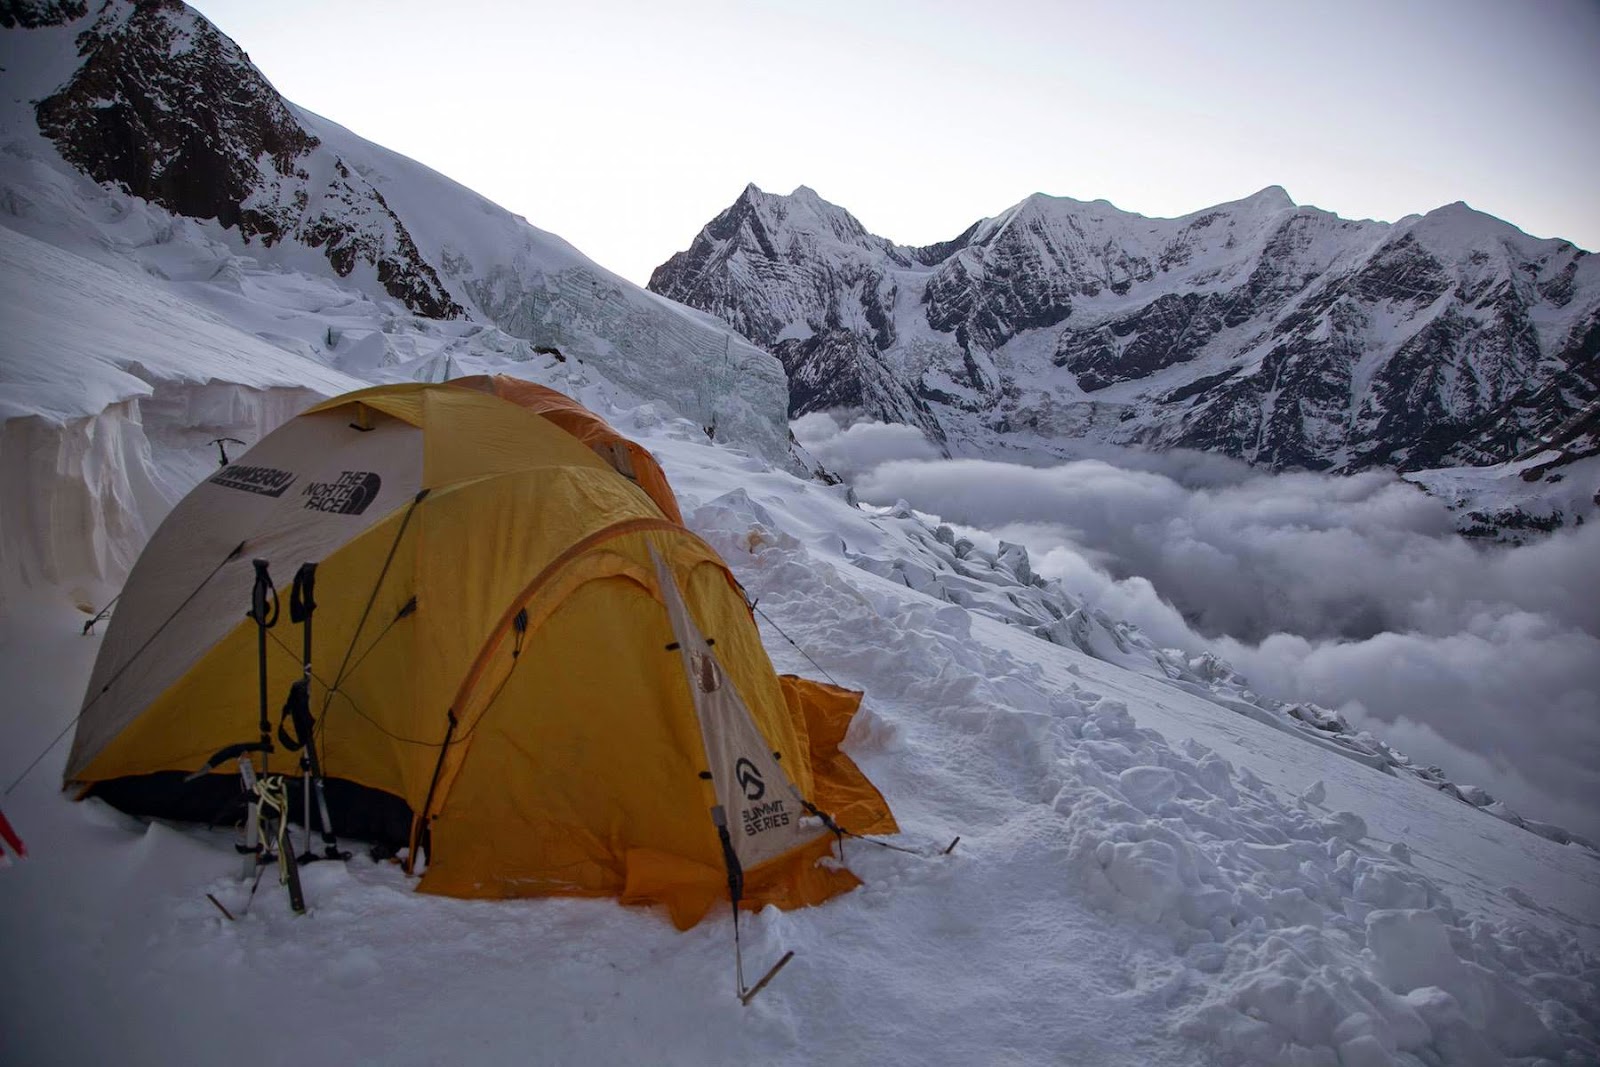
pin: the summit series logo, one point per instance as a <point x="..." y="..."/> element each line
<point x="757" y="818"/>
<point x="749" y="779"/>
<point x="350" y="495"/>
<point x="265" y="481"/>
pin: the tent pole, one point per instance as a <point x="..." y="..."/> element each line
<point x="736" y="893"/>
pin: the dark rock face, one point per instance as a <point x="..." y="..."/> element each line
<point x="31" y="14"/>
<point x="804" y="280"/>
<point x="744" y="268"/>
<point x="1459" y="390"/>
<point x="1171" y="329"/>
<point x="839" y="370"/>
<point x="355" y="225"/>
<point x="141" y="124"/>
<point x="1024" y="278"/>
<point x="168" y="108"/>
<point x="1401" y="271"/>
<point x="1535" y="418"/>
<point x="1284" y="336"/>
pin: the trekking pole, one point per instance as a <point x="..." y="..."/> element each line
<point x="302" y="602"/>
<point x="264" y="610"/>
<point x="302" y="605"/>
<point x="305" y="805"/>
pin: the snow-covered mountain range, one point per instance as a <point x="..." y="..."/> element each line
<point x="1279" y="334"/>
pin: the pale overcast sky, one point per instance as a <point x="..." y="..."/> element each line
<point x="624" y="126"/>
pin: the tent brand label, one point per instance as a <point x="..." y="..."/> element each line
<point x="749" y="779"/>
<point x="350" y="495"/>
<point x="267" y="481"/>
<point x="761" y="817"/>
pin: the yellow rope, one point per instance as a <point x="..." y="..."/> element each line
<point x="274" y="794"/>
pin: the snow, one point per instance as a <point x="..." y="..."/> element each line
<point x="534" y="285"/>
<point x="1144" y="876"/>
<point x="80" y="336"/>
<point x="1567" y="491"/>
<point x="88" y="353"/>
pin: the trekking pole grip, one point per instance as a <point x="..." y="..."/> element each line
<point x="263" y="596"/>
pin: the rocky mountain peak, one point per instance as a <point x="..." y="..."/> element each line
<point x="795" y="221"/>
<point x="1458" y="229"/>
<point x="804" y="279"/>
<point x="167" y="107"/>
<point x="128" y="119"/>
<point x="1283" y="335"/>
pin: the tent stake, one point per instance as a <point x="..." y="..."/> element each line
<point x="745" y="998"/>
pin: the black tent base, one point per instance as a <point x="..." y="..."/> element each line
<point x="358" y="813"/>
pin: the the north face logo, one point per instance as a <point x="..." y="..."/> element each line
<point x="350" y="495"/>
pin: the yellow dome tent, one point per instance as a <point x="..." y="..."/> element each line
<point x="522" y="660"/>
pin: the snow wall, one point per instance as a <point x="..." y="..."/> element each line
<point x="81" y="497"/>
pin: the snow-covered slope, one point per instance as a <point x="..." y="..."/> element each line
<point x="1145" y="875"/>
<point x="533" y="285"/>
<point x="1283" y="335"/>
<point x="139" y="137"/>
